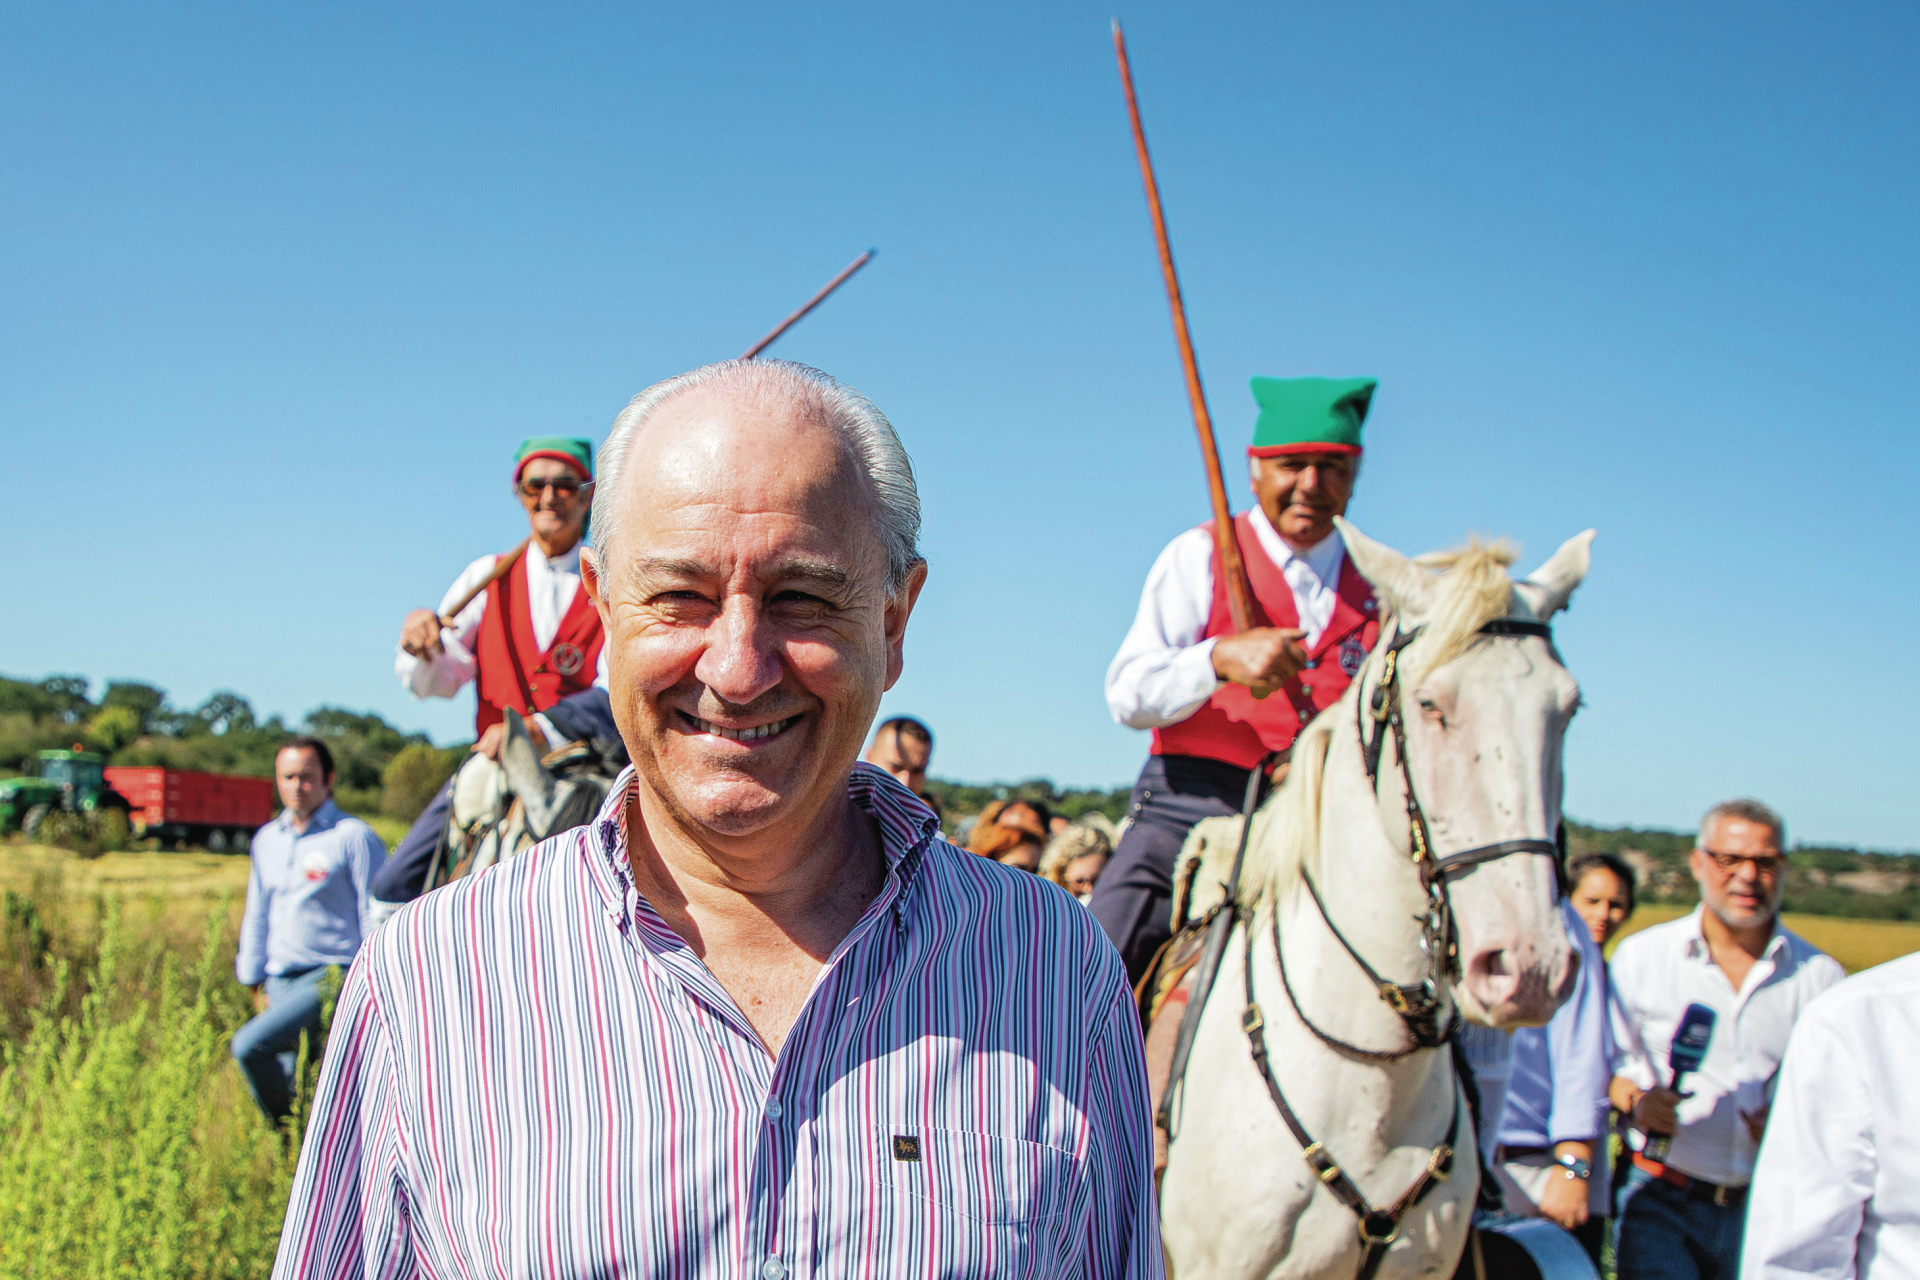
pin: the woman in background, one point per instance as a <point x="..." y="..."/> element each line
<point x="1075" y="858"/>
<point x="1009" y="832"/>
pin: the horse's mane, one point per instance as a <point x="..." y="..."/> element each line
<point x="1471" y="589"/>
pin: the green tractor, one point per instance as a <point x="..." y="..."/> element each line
<point x="69" y="798"/>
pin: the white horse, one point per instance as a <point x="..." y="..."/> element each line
<point x="1483" y="707"/>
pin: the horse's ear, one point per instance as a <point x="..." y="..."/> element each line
<point x="1548" y="588"/>
<point x="1406" y="587"/>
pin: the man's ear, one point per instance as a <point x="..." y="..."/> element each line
<point x="899" y="610"/>
<point x="590" y="576"/>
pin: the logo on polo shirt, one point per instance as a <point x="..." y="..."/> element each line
<point x="906" y="1148"/>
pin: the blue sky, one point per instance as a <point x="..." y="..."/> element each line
<point x="281" y="288"/>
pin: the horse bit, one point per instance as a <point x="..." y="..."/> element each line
<point x="1418" y="1005"/>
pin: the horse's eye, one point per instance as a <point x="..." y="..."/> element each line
<point x="1429" y="706"/>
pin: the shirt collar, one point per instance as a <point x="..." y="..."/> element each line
<point x="323" y="819"/>
<point x="567" y="561"/>
<point x="1698" y="949"/>
<point x="907" y="827"/>
<point x="1323" y="557"/>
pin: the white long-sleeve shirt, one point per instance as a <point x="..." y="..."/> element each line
<point x="1836" y="1194"/>
<point x="551" y="585"/>
<point x="1657" y="974"/>
<point x="1164" y="670"/>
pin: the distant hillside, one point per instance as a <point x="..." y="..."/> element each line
<point x="1820" y="881"/>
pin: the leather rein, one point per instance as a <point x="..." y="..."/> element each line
<point x="1418" y="1005"/>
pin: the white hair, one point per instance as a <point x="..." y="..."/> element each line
<point x="1745" y="810"/>
<point x="862" y="428"/>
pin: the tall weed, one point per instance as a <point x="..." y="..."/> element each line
<point x="129" y="1146"/>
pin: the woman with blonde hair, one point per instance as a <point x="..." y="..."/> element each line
<point x="1075" y="858"/>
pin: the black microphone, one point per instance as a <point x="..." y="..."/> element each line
<point x="1687" y="1052"/>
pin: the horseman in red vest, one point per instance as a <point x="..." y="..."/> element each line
<point x="531" y="640"/>
<point x="1218" y="701"/>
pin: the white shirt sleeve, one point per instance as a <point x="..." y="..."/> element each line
<point x="1817" y="1167"/>
<point x="1630" y="1056"/>
<point x="446" y="674"/>
<point x="1164" y="670"/>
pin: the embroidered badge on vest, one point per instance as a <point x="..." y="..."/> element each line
<point x="906" y="1148"/>
<point x="1352" y="654"/>
<point x="567" y="659"/>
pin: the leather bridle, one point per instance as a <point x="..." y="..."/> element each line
<point x="1418" y="1005"/>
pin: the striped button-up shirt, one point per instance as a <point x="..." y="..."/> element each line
<point x="529" y="1074"/>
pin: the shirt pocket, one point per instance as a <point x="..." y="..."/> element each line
<point x="980" y="1176"/>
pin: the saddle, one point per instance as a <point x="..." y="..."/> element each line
<point x="1201" y="875"/>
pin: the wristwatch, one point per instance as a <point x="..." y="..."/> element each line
<point x="1575" y="1166"/>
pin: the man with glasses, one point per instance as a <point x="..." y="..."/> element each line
<point x="531" y="640"/>
<point x="1681" y="1214"/>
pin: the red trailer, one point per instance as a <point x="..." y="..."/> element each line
<point x="216" y="810"/>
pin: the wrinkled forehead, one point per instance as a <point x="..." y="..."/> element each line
<point x="765" y="471"/>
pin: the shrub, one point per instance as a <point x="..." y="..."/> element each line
<point x="128" y="1144"/>
<point x="412" y="777"/>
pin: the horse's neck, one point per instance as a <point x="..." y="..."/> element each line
<point x="1372" y="894"/>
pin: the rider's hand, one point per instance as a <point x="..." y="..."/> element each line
<point x="495" y="738"/>
<point x="1657" y="1111"/>
<point x="1262" y="659"/>
<point x="420" y="634"/>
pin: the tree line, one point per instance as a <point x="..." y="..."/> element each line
<point x="381" y="768"/>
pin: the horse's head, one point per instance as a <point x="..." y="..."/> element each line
<point x="1485" y="715"/>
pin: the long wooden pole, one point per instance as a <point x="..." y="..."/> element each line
<point x="846" y="273"/>
<point x="500" y="569"/>
<point x="1239" y="590"/>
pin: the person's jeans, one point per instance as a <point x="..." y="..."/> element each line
<point x="1662" y="1233"/>
<point x="268" y="1047"/>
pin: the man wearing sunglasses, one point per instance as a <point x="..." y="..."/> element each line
<point x="1681" y="1215"/>
<point x="530" y="641"/>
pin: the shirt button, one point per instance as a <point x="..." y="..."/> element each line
<point x="772" y="1269"/>
<point x="773" y="1113"/>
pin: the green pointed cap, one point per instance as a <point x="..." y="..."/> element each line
<point x="569" y="449"/>
<point x="1310" y="415"/>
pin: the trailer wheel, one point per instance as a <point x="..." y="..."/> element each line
<point x="242" y="839"/>
<point x="217" y="840"/>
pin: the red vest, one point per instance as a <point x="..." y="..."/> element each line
<point x="506" y="642"/>
<point x="1238" y="728"/>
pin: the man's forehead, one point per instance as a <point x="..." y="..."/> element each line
<point x="1733" y="827"/>
<point x="748" y="450"/>
<point x="719" y="480"/>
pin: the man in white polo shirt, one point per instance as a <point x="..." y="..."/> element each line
<point x="1681" y="1216"/>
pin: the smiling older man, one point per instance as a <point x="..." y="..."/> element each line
<point x="758" y="1019"/>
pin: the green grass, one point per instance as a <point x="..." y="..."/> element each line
<point x="128" y="1143"/>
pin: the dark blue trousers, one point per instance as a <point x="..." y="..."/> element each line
<point x="402" y="875"/>
<point x="1663" y="1233"/>
<point x="1134" y="895"/>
